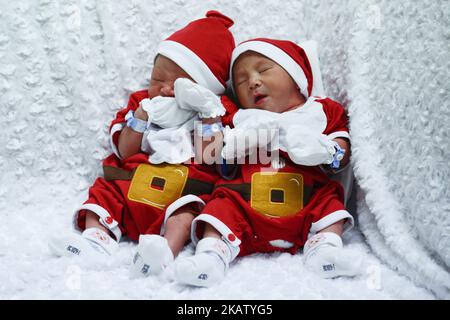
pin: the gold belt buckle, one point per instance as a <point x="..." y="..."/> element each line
<point x="158" y="185"/>
<point x="277" y="194"/>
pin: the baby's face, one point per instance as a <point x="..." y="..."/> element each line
<point x="261" y="83"/>
<point x="164" y="74"/>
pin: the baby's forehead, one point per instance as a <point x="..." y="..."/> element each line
<point x="250" y="57"/>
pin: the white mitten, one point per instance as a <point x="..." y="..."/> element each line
<point x="92" y="242"/>
<point x="307" y="148"/>
<point x="153" y="256"/>
<point x="193" y="97"/>
<point x="171" y="145"/>
<point x="248" y="137"/>
<point x="324" y="254"/>
<point x="164" y="112"/>
<point x="208" y="266"/>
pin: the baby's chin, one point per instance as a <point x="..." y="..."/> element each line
<point x="264" y="106"/>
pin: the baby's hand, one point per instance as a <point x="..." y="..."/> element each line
<point x="170" y="145"/>
<point x="140" y="113"/>
<point x="248" y="137"/>
<point x="164" y="112"/>
<point x="191" y="96"/>
<point x="307" y="148"/>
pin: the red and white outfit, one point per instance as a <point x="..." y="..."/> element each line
<point x="135" y="197"/>
<point x="268" y="209"/>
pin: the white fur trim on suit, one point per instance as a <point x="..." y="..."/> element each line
<point x="330" y="219"/>
<point x="114" y="129"/>
<point x="339" y="134"/>
<point x="192" y="64"/>
<point x="112" y="226"/>
<point x="226" y="233"/>
<point x="177" y="204"/>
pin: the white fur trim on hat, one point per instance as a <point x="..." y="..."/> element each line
<point x="192" y="64"/>
<point x="279" y="56"/>
<point x="310" y="48"/>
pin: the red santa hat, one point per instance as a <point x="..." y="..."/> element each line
<point x="203" y="49"/>
<point x="300" y="61"/>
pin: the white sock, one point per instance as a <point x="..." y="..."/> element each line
<point x="202" y="270"/>
<point x="152" y="257"/>
<point x="207" y="267"/>
<point x="324" y="254"/>
<point x="92" y="241"/>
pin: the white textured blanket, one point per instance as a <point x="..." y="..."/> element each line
<point x="67" y="66"/>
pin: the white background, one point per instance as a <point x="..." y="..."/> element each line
<point x="66" y="67"/>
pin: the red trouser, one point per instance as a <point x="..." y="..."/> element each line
<point x="136" y="198"/>
<point x="243" y="226"/>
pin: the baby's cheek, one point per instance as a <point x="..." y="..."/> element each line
<point x="153" y="92"/>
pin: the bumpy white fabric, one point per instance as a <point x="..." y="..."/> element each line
<point x="399" y="116"/>
<point x="195" y="98"/>
<point x="152" y="257"/>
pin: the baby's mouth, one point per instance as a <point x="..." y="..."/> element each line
<point x="259" y="99"/>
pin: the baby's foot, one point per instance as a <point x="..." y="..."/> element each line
<point x="202" y="270"/>
<point x="207" y="267"/>
<point x="92" y="241"/>
<point x="152" y="257"/>
<point x="325" y="255"/>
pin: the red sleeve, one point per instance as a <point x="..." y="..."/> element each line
<point x="230" y="110"/>
<point x="337" y="120"/>
<point x="133" y="104"/>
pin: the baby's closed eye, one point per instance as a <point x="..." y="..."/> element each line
<point x="264" y="69"/>
<point x="240" y="81"/>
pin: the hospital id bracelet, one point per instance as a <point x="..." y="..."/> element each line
<point x="135" y="124"/>
<point x="208" y="130"/>
<point x="338" y="156"/>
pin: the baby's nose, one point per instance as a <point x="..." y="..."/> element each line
<point x="254" y="82"/>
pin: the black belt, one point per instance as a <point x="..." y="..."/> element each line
<point x="244" y="189"/>
<point x="192" y="186"/>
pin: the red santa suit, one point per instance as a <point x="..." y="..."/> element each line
<point x="268" y="209"/>
<point x="135" y="197"/>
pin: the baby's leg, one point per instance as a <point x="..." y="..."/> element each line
<point x="95" y="239"/>
<point x="92" y="221"/>
<point x="210" y="262"/>
<point x="178" y="228"/>
<point x="337" y="227"/>
<point x="156" y="252"/>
